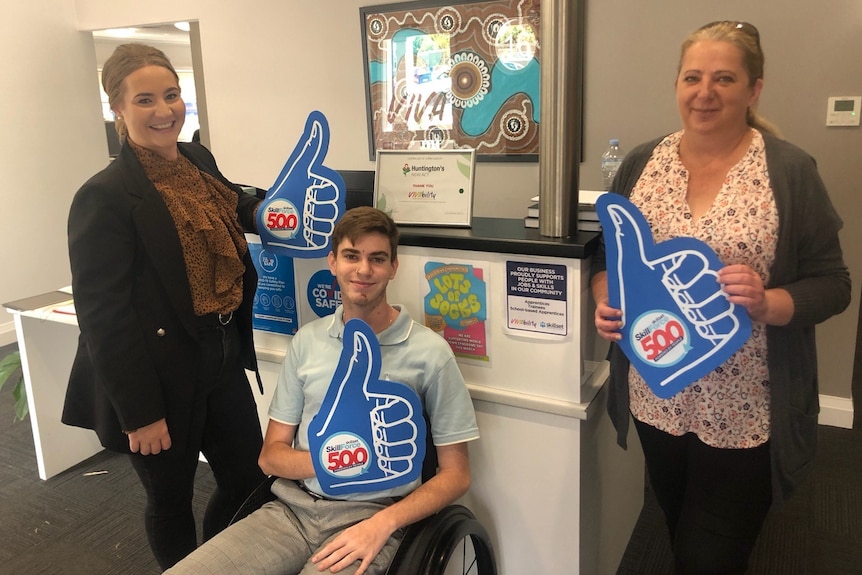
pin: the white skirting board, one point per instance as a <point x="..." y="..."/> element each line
<point x="836" y="411"/>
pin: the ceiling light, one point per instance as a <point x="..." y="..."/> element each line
<point x="184" y="26"/>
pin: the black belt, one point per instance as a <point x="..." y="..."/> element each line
<point x="216" y="319"/>
<point x="309" y="491"/>
<point x="316" y="496"/>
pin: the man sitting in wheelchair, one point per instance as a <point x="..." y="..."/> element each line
<point x="346" y="435"/>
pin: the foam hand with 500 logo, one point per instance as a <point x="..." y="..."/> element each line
<point x="369" y="434"/>
<point x="677" y="323"/>
<point x="300" y="210"/>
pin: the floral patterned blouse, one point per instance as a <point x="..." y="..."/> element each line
<point x="729" y="407"/>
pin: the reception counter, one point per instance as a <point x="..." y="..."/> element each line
<point x="549" y="483"/>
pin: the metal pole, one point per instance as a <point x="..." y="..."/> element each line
<point x="560" y="116"/>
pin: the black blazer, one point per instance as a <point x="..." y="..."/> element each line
<point x="138" y="352"/>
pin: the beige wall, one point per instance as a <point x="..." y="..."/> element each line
<point x="52" y="139"/>
<point x="179" y="54"/>
<point x="268" y="63"/>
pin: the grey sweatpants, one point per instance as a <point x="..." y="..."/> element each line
<point x="281" y="537"/>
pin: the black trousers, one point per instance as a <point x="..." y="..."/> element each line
<point x="226" y="429"/>
<point x="714" y="500"/>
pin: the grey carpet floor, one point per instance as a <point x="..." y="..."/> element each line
<point x="818" y="532"/>
<point x="85" y="521"/>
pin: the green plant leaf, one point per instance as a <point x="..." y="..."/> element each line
<point x="8" y="366"/>
<point x="20" y="395"/>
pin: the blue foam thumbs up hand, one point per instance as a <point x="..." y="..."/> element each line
<point x="299" y="212"/>
<point x="677" y="323"/>
<point x="369" y="434"/>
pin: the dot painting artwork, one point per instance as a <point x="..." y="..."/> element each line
<point x="456" y="75"/>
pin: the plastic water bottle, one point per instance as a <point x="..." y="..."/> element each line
<point x="611" y="160"/>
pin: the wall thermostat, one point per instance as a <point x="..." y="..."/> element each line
<point x="843" y="111"/>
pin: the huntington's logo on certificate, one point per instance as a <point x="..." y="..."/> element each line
<point x="432" y="188"/>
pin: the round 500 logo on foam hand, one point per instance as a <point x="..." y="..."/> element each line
<point x="344" y="455"/>
<point x="281" y="218"/>
<point x="660" y="337"/>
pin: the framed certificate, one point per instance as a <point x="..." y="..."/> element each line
<point x="426" y="187"/>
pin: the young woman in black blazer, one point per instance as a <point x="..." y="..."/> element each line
<point x="163" y="287"/>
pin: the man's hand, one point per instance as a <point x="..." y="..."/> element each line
<point x="361" y="542"/>
<point x="150" y="439"/>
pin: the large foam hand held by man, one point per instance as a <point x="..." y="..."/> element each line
<point x="299" y="212"/>
<point x="369" y="434"/>
<point x="677" y="323"/>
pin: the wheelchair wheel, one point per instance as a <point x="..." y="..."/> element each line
<point x="452" y="542"/>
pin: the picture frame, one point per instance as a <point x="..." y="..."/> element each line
<point x="426" y="187"/>
<point x="453" y="74"/>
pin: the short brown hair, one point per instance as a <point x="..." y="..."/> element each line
<point x="126" y="59"/>
<point x="363" y="220"/>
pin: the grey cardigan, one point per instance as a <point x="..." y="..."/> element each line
<point x="809" y="265"/>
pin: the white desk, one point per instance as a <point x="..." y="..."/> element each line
<point x="47" y="342"/>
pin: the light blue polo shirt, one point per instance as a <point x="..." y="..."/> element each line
<point x="411" y="354"/>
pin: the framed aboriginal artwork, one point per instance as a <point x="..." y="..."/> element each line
<point x="453" y="75"/>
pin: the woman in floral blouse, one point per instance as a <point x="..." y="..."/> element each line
<point x="734" y="443"/>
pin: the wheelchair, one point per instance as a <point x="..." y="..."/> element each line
<point x="450" y="542"/>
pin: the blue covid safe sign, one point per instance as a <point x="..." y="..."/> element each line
<point x="323" y="293"/>
<point x="275" y="300"/>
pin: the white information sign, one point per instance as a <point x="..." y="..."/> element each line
<point x="432" y="188"/>
<point x="536" y="297"/>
